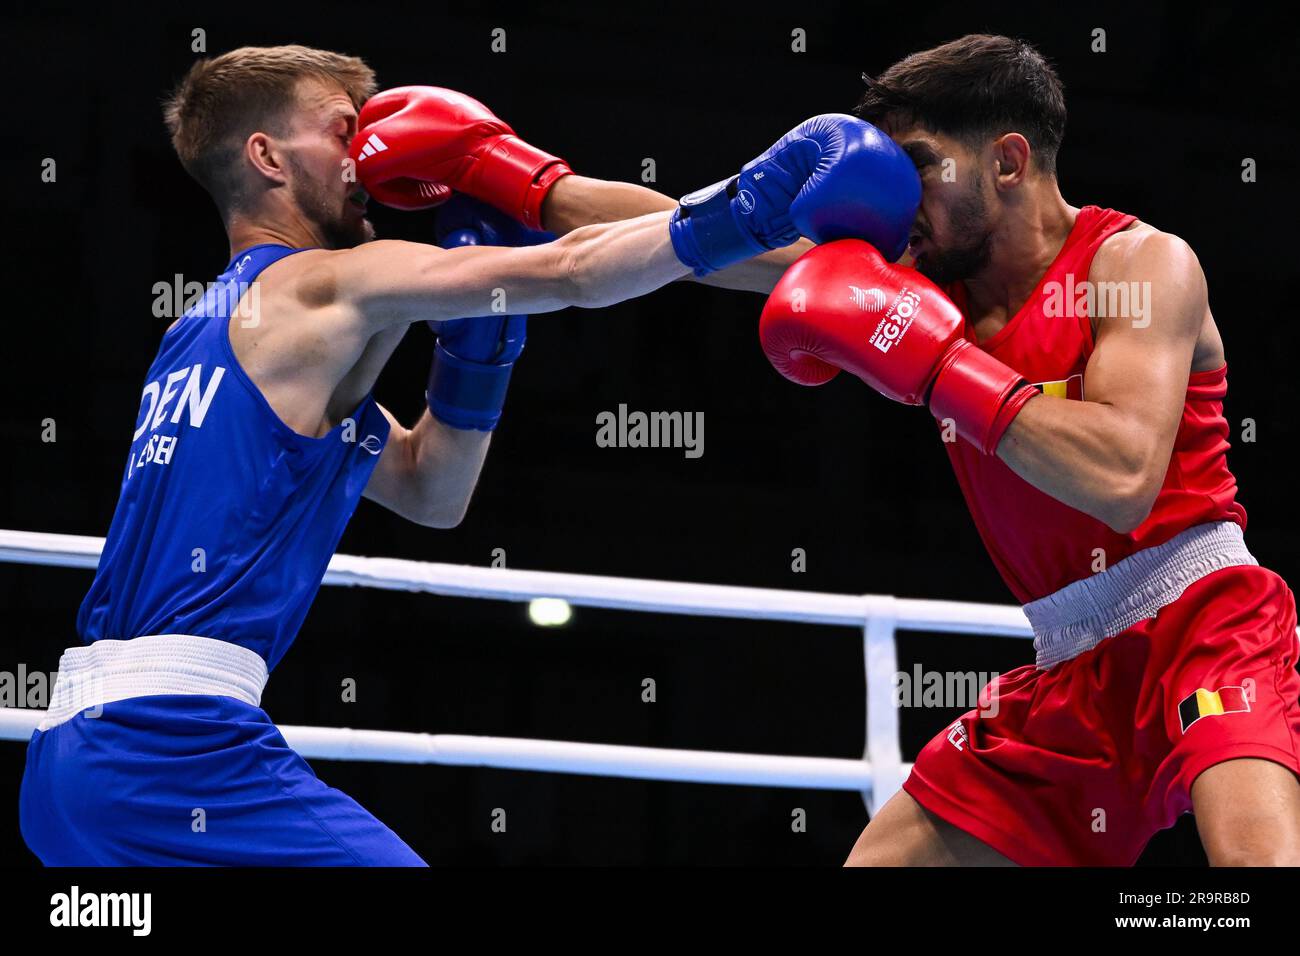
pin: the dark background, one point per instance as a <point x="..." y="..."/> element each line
<point x="1159" y="126"/>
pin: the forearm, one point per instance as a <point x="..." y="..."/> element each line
<point x="577" y="201"/>
<point x="614" y="261"/>
<point x="444" y="469"/>
<point x="1087" y="455"/>
<point x="760" y="274"/>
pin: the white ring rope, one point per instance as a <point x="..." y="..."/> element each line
<point x="877" y="616"/>
<point x="626" y="594"/>
<point x="555" y="756"/>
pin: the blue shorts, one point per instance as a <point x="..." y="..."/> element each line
<point x="184" y="780"/>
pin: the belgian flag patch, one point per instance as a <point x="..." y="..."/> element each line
<point x="1071" y="388"/>
<point x="1209" y="703"/>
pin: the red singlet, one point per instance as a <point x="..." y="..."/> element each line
<point x="1040" y="544"/>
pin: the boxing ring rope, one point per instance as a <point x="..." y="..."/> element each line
<point x="877" y="775"/>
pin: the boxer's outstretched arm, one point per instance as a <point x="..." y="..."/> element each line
<point x="577" y="201"/>
<point x="388" y="283"/>
<point x="1108" y="456"/>
<point x="427" y="473"/>
<point x="531" y="185"/>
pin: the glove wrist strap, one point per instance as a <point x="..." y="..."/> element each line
<point x="465" y="394"/>
<point x="980" y="394"/>
<point x="516" y="176"/>
<point x="705" y="233"/>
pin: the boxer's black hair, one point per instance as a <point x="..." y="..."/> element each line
<point x="974" y="88"/>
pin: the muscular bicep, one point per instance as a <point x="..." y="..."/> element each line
<point x="1150" y="297"/>
<point x="391" y="282"/>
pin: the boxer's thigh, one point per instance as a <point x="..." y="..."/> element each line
<point x="1248" y="813"/>
<point x="904" y="833"/>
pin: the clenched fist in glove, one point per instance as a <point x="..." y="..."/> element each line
<point x="415" y="144"/>
<point x="842" y="306"/>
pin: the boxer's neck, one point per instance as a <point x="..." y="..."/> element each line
<point x="1029" y="236"/>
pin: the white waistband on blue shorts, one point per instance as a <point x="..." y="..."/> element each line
<point x="107" y="671"/>
<point x="1081" y="615"/>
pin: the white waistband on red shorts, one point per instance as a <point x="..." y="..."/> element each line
<point x="1081" y="615"/>
<point x="107" y="671"/>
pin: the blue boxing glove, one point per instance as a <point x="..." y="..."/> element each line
<point x="473" y="358"/>
<point x="831" y="177"/>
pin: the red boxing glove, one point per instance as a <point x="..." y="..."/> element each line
<point x="842" y="306"/>
<point x="415" y="144"/>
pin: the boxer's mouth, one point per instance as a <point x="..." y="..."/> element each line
<point x="359" y="198"/>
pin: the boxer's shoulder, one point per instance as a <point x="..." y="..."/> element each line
<point x="310" y="279"/>
<point x="301" y="319"/>
<point x="1142" y="249"/>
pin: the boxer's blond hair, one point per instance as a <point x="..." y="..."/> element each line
<point x="224" y="99"/>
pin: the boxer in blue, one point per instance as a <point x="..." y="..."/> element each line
<point x="257" y="432"/>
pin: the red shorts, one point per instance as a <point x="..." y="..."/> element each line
<point x="1082" y="764"/>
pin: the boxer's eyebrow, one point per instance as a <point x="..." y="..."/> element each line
<point x="348" y="116"/>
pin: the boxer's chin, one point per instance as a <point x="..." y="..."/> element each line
<point x="365" y="232"/>
<point x="939" y="271"/>
<point x="944" y="266"/>
<point x="350" y="233"/>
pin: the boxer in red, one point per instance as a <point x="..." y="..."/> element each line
<point x="1077" y="377"/>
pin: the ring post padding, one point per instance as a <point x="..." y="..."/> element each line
<point x="880" y="660"/>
